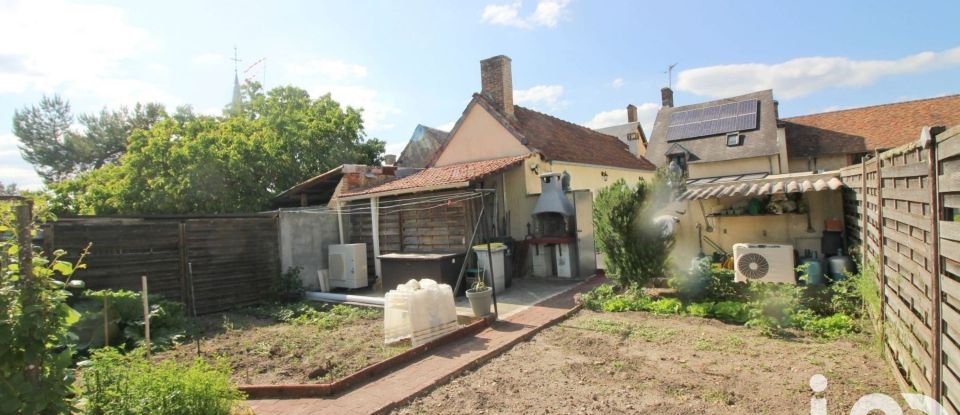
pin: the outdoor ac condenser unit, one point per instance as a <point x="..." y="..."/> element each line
<point x="763" y="263"/>
<point x="348" y="266"/>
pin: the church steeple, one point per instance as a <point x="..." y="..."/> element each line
<point x="237" y="97"/>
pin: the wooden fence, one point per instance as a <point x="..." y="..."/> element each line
<point x="209" y="263"/>
<point x="902" y="207"/>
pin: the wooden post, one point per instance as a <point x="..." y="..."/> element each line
<point x="375" y="225"/>
<point x="106" y="322"/>
<point x="186" y="295"/>
<point x="881" y="261"/>
<point x="936" y="301"/>
<point x="23" y="213"/>
<point x="146" y="314"/>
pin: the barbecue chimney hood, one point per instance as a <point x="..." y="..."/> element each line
<point x="552" y="199"/>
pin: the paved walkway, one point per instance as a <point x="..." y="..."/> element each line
<point x="383" y="394"/>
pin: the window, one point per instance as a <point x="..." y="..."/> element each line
<point x="734" y="139"/>
<point x="633" y="136"/>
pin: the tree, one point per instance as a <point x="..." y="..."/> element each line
<point x="57" y="152"/>
<point x="202" y="164"/>
<point x="634" y="247"/>
<point x="44" y="131"/>
<point x="9" y="190"/>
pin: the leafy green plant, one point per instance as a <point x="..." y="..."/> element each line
<point x="125" y="313"/>
<point x="320" y="315"/>
<point x="595" y="298"/>
<point x="665" y="306"/>
<point x="115" y="383"/>
<point x="699" y="309"/>
<point x="288" y="285"/>
<point x="35" y="342"/>
<point x="634" y="247"/>
<point x="830" y="327"/>
<point x="704" y="281"/>
<point x="731" y="311"/>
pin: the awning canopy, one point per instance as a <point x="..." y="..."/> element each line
<point x="760" y="184"/>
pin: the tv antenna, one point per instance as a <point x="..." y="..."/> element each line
<point x="669" y="73"/>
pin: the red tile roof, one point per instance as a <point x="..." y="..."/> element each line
<point x="439" y="176"/>
<point x="868" y="128"/>
<point x="560" y="140"/>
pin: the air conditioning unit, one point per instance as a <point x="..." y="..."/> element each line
<point x="763" y="263"/>
<point x="348" y="266"/>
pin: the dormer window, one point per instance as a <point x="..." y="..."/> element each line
<point x="734" y="139"/>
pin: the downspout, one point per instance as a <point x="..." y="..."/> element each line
<point x="375" y="223"/>
<point x="340" y="221"/>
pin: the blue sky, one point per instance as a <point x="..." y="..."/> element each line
<point x="410" y="62"/>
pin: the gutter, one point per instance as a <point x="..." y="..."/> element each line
<point x="431" y="188"/>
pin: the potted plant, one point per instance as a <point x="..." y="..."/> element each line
<point x="480" y="297"/>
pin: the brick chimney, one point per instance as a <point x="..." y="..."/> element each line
<point x="631" y="113"/>
<point x="666" y="96"/>
<point x="497" y="83"/>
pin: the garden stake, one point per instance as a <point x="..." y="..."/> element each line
<point x="146" y="314"/>
<point x="493" y="280"/>
<point x="106" y="324"/>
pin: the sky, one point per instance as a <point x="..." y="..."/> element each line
<point x="417" y="62"/>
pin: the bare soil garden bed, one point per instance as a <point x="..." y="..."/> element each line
<point x="637" y="362"/>
<point x="290" y="344"/>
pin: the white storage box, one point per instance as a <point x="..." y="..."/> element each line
<point x="419" y="310"/>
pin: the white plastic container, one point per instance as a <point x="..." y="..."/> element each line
<point x="419" y="310"/>
<point x="497" y="251"/>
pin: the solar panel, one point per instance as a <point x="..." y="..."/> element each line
<point x="713" y="120"/>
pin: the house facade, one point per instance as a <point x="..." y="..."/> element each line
<point x="736" y="153"/>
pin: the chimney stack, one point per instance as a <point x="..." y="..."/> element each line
<point x="666" y="95"/>
<point x="631" y="113"/>
<point x="497" y="83"/>
<point x="389" y="159"/>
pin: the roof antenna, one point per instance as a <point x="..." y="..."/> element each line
<point x="669" y="73"/>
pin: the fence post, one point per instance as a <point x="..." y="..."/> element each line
<point x="881" y="259"/>
<point x="23" y="213"/>
<point x="185" y="295"/>
<point x="937" y="341"/>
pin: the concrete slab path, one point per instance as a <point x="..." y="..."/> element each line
<point x="419" y="377"/>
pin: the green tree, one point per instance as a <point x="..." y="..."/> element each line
<point x="634" y="247"/>
<point x="9" y="190"/>
<point x="57" y="152"/>
<point x="202" y="164"/>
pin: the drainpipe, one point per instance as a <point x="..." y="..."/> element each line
<point x="340" y="222"/>
<point x="375" y="222"/>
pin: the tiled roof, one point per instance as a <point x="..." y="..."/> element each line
<point x="439" y="176"/>
<point x="560" y="140"/>
<point x="868" y="128"/>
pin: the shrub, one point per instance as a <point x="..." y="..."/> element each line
<point x="595" y="298"/>
<point x="731" y="311"/>
<point x="699" y="309"/>
<point x="634" y="247"/>
<point x="666" y="306"/>
<point x="113" y="383"/>
<point x="321" y="315"/>
<point x="605" y="298"/>
<point x="35" y="350"/>
<point x="167" y="319"/>
<point x="705" y="281"/>
<point x="287" y="286"/>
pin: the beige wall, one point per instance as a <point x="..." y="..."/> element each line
<point x="738" y="166"/>
<point x="783" y="229"/>
<point x="480" y="137"/>
<point x="828" y="162"/>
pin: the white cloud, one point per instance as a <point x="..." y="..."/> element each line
<point x="53" y="45"/>
<point x="646" y="114"/>
<point x="547" y="14"/>
<point x="328" y="68"/>
<point x="13" y="169"/>
<point x="375" y="110"/>
<point x="447" y="126"/>
<point x="548" y="95"/>
<point x="803" y="76"/>
<point x="617" y="83"/>
<point x="209" y="58"/>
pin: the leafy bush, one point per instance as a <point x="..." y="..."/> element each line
<point x="699" y="309"/>
<point x="705" y="281"/>
<point x="35" y="350"/>
<point x="634" y="247"/>
<point x="831" y="327"/>
<point x="666" y="306"/>
<point x="605" y="298"/>
<point x="288" y="285"/>
<point x="731" y="311"/>
<point x="114" y="383"/>
<point x="595" y="298"/>
<point x="125" y="313"/>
